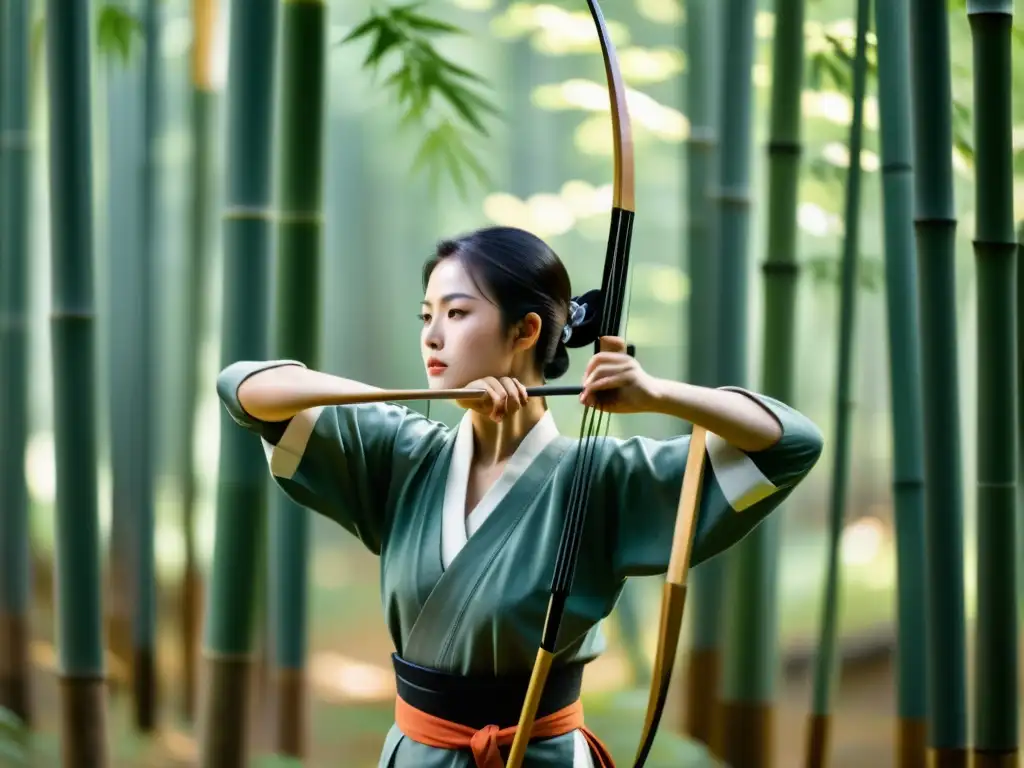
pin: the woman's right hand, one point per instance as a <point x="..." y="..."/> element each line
<point x="503" y="397"/>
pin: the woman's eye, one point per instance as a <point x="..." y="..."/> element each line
<point x="456" y="312"/>
<point x="424" y="318"/>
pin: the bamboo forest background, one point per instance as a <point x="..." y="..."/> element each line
<point x="548" y="163"/>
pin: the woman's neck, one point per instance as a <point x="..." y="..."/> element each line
<point x="494" y="442"/>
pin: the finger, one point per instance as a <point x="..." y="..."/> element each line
<point x="523" y="394"/>
<point x="604" y="383"/>
<point x="602" y="358"/>
<point x="601" y="400"/>
<point x="513" y="401"/>
<point x="612" y="344"/>
<point x="498" y="398"/>
<point x="604" y="371"/>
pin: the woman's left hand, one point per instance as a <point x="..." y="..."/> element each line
<point x="615" y="382"/>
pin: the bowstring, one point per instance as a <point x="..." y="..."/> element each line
<point x="595" y="421"/>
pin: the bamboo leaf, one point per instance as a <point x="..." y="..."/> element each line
<point x="116" y="28"/>
<point x="416" y="21"/>
<point x="422" y="72"/>
<point x="12" y="738"/>
<point x="361" y="30"/>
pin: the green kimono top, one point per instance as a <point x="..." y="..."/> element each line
<point x="468" y="594"/>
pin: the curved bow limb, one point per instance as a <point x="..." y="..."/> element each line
<point x="673" y="598"/>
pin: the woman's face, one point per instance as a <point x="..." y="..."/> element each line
<point x="463" y="338"/>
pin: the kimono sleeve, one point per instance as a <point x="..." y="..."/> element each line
<point x="643" y="481"/>
<point x="338" y="461"/>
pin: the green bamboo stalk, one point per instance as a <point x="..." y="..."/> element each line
<point x="124" y="92"/>
<point x="754" y="658"/>
<point x="143" y="382"/>
<point x="242" y="486"/>
<point x="826" y="661"/>
<point x="15" y="212"/>
<point x="300" y="195"/>
<point x="195" y="315"/>
<point x="905" y="377"/>
<point x="1020" y="408"/>
<point x="996" y="709"/>
<point x="746" y="720"/>
<point x="79" y="617"/>
<point x="935" y="235"/>
<point x="708" y="580"/>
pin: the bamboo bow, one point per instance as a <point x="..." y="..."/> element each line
<point x="611" y="300"/>
<point x="674" y="595"/>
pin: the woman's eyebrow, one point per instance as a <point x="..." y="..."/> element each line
<point x="450" y="297"/>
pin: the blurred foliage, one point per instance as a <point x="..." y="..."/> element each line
<point x="832" y="64"/>
<point x="13" y="739"/>
<point x="115" y="29"/>
<point x="826" y="269"/>
<point x="421" y="76"/>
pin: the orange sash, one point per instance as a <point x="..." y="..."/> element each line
<point x="436" y="732"/>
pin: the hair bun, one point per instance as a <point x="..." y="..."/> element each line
<point x="589" y="329"/>
<point x="558" y="365"/>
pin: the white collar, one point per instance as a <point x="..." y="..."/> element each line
<point x="456" y="526"/>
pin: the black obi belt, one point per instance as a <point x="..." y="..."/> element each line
<point x="481" y="700"/>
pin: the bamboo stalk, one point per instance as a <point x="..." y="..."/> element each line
<point x="124" y="93"/>
<point x="826" y="661"/>
<point x="891" y="30"/>
<point x="996" y="709"/>
<point x="935" y="234"/>
<point x="754" y="658"/>
<point x="15" y="214"/>
<point x="79" y="622"/>
<point x="143" y="382"/>
<point x="1020" y="409"/>
<point x="242" y="486"/>
<point x="746" y="718"/>
<point x="205" y="18"/>
<point x="300" y="200"/>
<point x="707" y="581"/>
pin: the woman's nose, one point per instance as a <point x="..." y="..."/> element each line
<point x="432" y="338"/>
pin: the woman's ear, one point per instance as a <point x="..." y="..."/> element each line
<point x="527" y="331"/>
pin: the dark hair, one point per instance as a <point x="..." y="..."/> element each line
<point x="519" y="273"/>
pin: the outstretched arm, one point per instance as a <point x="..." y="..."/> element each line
<point x="616" y="382"/>
<point x="736" y="418"/>
<point x="279" y="393"/>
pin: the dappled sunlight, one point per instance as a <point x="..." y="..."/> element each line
<point x="839" y="155"/>
<point x="665" y="284"/>
<point x="586" y="200"/>
<point x="337" y="678"/>
<point x="863" y="541"/>
<point x="815" y="220"/>
<point x="661" y="11"/>
<point x="761" y="75"/>
<point x="650" y="65"/>
<point x="555" y="30"/>
<point x="40" y="471"/>
<point x="764" y="25"/>
<point x="547" y="214"/>
<point x="836" y="107"/>
<point x="645" y="112"/>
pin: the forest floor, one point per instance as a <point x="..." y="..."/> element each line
<point x="352" y="693"/>
<point x="349" y="733"/>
